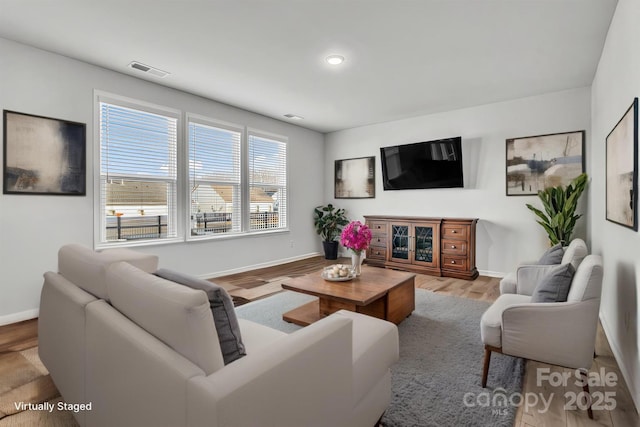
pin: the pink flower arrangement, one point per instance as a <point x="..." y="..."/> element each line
<point x="356" y="236"/>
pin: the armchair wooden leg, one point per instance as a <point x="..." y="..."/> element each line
<point x="585" y="388"/>
<point x="485" y="368"/>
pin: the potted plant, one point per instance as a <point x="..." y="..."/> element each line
<point x="329" y="221"/>
<point x="560" y="203"/>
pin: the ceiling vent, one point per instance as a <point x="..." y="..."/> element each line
<point x="293" y="117"/>
<point x="148" y="69"/>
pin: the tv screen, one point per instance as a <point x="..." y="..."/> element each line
<point x="429" y="164"/>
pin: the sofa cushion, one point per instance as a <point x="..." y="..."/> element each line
<point x="145" y="262"/>
<point x="175" y="314"/>
<point x="554" y="286"/>
<point x="575" y="252"/>
<point x="491" y="321"/>
<point x="587" y="281"/>
<point x="86" y="268"/>
<point x="553" y="255"/>
<point x="224" y="314"/>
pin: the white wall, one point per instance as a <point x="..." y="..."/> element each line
<point x="507" y="232"/>
<point x="32" y="228"/>
<point x="616" y="83"/>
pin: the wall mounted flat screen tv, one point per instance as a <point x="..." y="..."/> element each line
<point x="429" y="164"/>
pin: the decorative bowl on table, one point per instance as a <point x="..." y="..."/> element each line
<point x="338" y="273"/>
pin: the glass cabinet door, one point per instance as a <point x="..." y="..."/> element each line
<point x="400" y="243"/>
<point x="423" y="236"/>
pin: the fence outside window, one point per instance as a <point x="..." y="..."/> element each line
<point x="121" y="228"/>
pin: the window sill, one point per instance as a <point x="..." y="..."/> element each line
<point x="191" y="239"/>
<point x="137" y="243"/>
<point x="230" y="236"/>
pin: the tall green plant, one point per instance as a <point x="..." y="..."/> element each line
<point x="329" y="221"/>
<point x="560" y="203"/>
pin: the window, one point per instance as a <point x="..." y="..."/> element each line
<point x="267" y="183"/>
<point x="214" y="179"/>
<point x="138" y="172"/>
<point x="167" y="176"/>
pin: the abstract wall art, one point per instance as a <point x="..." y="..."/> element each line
<point x="43" y="155"/>
<point x="622" y="170"/>
<point x="535" y="163"/>
<point x="355" y="178"/>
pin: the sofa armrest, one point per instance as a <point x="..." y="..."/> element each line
<point x="61" y="336"/>
<point x="528" y="277"/>
<point x="375" y="348"/>
<point x="560" y="333"/>
<point x="306" y="379"/>
<point x="530" y="262"/>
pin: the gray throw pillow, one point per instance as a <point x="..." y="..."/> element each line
<point x="554" y="287"/>
<point x="552" y="256"/>
<point x="224" y="314"/>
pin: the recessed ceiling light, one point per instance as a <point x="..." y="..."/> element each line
<point x="335" y="59"/>
<point x="293" y="117"/>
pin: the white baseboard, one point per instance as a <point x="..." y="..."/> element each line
<point x="19" y="317"/>
<point x="305" y="256"/>
<point x="635" y="394"/>
<point x="256" y="266"/>
<point x="492" y="273"/>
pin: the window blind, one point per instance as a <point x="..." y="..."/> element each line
<point x="267" y="183"/>
<point x="215" y="179"/>
<point x="138" y="170"/>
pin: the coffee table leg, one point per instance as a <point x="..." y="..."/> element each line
<point x="401" y="301"/>
<point x="328" y="306"/>
<point x="304" y="315"/>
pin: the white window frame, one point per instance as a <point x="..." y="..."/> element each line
<point x="203" y="120"/>
<point x="99" y="209"/>
<point x="247" y="196"/>
<point x="183" y="200"/>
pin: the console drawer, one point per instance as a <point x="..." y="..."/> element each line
<point x="378" y="227"/>
<point x="454" y="247"/>
<point x="376" y="252"/>
<point x="454" y="262"/>
<point x="379" y="240"/>
<point x="455" y="231"/>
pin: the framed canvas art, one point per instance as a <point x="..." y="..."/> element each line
<point x="355" y="178"/>
<point x="538" y="162"/>
<point x="622" y="170"/>
<point x="43" y="155"/>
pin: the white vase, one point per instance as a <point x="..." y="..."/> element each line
<point x="356" y="263"/>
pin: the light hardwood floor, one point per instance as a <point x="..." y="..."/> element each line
<point x="23" y="335"/>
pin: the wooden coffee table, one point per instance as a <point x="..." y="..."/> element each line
<point x="378" y="292"/>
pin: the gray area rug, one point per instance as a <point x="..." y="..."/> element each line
<point x="436" y="382"/>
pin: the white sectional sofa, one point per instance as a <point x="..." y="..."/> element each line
<point x="144" y="352"/>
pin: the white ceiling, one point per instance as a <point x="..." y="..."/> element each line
<point x="403" y="58"/>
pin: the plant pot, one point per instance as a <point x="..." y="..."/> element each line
<point x="330" y="250"/>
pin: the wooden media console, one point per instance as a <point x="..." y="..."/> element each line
<point x="437" y="246"/>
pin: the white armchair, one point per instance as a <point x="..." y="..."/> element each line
<point x="559" y="333"/>
<point x="531" y="272"/>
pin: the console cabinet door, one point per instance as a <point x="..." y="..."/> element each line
<point x="415" y="243"/>
<point x="400" y="242"/>
<point x="426" y="241"/>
